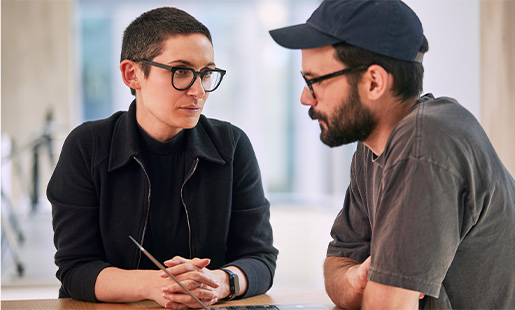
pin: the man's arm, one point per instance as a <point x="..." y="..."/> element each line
<point x="345" y="281"/>
<point x="380" y="296"/>
<point x="347" y="285"/>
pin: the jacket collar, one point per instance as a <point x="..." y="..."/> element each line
<point x="200" y="145"/>
<point x="125" y="142"/>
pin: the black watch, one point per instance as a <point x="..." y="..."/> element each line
<point x="234" y="284"/>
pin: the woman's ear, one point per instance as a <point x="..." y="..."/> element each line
<point x="129" y="71"/>
<point x="377" y="81"/>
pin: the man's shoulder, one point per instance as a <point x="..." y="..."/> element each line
<point x="436" y="119"/>
<point x="439" y="131"/>
<point x="441" y="111"/>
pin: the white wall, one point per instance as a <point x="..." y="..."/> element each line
<point x="453" y="62"/>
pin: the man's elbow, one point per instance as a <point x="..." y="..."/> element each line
<point x="380" y="296"/>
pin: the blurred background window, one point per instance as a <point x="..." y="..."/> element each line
<point x="260" y="92"/>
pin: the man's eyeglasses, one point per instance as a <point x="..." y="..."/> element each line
<point x="183" y="77"/>
<point x="310" y="82"/>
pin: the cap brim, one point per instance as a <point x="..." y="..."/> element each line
<point x="302" y="36"/>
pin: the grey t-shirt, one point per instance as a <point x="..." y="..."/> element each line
<point x="436" y="211"/>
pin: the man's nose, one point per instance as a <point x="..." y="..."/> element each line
<point x="306" y="98"/>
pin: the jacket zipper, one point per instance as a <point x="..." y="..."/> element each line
<point x="148" y="208"/>
<point x="184" y="204"/>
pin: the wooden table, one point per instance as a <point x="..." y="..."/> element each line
<point x="272" y="297"/>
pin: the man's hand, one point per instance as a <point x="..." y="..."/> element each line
<point x="347" y="285"/>
<point x="345" y="281"/>
<point x="358" y="276"/>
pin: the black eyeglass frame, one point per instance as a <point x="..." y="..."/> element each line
<point x="310" y="82"/>
<point x="195" y="73"/>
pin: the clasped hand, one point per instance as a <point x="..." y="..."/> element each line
<point x="193" y="274"/>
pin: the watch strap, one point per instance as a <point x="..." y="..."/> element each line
<point x="234" y="284"/>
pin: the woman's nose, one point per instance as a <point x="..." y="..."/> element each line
<point x="196" y="89"/>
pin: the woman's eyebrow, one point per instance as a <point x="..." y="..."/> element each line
<point x="189" y="64"/>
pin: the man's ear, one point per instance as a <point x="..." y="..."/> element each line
<point x="129" y="71"/>
<point x="377" y="81"/>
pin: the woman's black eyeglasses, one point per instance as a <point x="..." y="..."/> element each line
<point x="184" y="77"/>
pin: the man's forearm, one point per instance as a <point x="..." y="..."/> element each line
<point x="379" y="296"/>
<point x="337" y="274"/>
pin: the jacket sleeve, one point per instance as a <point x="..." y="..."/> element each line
<point x="250" y="241"/>
<point x="75" y="210"/>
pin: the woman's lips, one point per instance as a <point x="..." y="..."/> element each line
<point x="192" y="108"/>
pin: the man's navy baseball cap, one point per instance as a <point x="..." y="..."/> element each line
<point x="385" y="27"/>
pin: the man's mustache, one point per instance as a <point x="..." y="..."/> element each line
<point x="315" y="115"/>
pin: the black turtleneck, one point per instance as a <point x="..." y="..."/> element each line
<point x="167" y="232"/>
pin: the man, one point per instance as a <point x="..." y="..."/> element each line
<point x="429" y="216"/>
<point x="187" y="187"/>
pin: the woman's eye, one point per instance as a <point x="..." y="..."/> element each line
<point x="182" y="72"/>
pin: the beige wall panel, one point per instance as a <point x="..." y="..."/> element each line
<point x="37" y="68"/>
<point x="498" y="77"/>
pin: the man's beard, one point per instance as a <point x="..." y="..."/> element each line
<point x="351" y="121"/>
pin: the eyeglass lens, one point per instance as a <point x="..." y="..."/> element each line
<point x="183" y="78"/>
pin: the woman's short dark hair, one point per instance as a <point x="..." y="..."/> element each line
<point x="407" y="76"/>
<point x="144" y="37"/>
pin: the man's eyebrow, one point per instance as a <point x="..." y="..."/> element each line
<point x="307" y="73"/>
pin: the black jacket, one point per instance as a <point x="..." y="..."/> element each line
<point x="100" y="196"/>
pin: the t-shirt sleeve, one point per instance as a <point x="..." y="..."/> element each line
<point x="415" y="232"/>
<point x="351" y="230"/>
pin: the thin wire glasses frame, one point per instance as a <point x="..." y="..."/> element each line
<point x="184" y="77"/>
<point x="310" y="82"/>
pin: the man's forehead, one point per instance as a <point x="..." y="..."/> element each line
<point x="315" y="59"/>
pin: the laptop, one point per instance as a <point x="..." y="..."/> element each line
<point x="274" y="307"/>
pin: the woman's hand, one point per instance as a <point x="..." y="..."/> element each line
<point x="193" y="274"/>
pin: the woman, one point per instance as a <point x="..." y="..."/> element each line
<point x="188" y="188"/>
